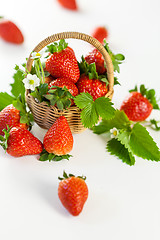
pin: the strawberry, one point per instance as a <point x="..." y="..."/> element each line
<point x="96" y="57"/>
<point x="64" y="82"/>
<point x="48" y="79"/>
<point x="73" y="193"/>
<point x="100" y="33"/>
<point x="62" y="62"/>
<point x="10" y="116"/>
<point x="58" y="139"/>
<point x="138" y="105"/>
<point x="19" y="142"/>
<point x="95" y="87"/>
<point x="10" y="32"/>
<point x="70" y="4"/>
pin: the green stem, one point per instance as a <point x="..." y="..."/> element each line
<point x="43" y="76"/>
<point x="37" y="70"/>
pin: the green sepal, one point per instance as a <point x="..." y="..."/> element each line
<point x="60" y="97"/>
<point x="65" y="176"/>
<point x="4" y="139"/>
<point x="116" y="58"/>
<point x="45" y="156"/>
<point x="57" y="47"/>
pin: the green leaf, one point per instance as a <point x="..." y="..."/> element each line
<point x="114" y="147"/>
<point x="89" y="116"/>
<point x="5" y="100"/>
<point x="83" y="99"/>
<point x="93" y="110"/>
<point x="142" y="144"/>
<point x="104" y="108"/>
<point x="18" y="86"/>
<point x="119" y="121"/>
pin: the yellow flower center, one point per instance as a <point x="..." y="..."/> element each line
<point x="38" y="54"/>
<point x="31" y="82"/>
<point x="115" y="133"/>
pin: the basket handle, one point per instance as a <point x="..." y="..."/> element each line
<point x="84" y="37"/>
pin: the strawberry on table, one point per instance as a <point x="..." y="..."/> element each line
<point x="62" y="61"/>
<point x="58" y="141"/>
<point x="100" y="33"/>
<point x="73" y="193"/>
<point x="9" y="32"/>
<point x="138" y="105"/>
<point x="69" y="4"/>
<point x="19" y="142"/>
<point x="10" y="116"/>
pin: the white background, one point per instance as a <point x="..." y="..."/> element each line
<point x="124" y="201"/>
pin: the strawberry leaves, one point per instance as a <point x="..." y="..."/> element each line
<point x="93" y="110"/>
<point x="131" y="139"/>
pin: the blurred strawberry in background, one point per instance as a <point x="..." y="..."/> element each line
<point x="100" y="33"/>
<point x="9" y="32"/>
<point x="70" y="4"/>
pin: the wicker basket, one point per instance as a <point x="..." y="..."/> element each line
<point x="44" y="115"/>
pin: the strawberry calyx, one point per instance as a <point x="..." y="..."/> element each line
<point x="45" y="156"/>
<point x="4" y="139"/>
<point x="60" y="97"/>
<point x="147" y="93"/>
<point x="90" y="71"/>
<point x="57" y="47"/>
<point x="116" y="58"/>
<point x="65" y="176"/>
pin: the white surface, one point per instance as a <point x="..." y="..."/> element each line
<point x="124" y="201"/>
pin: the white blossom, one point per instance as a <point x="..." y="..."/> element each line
<point x="36" y="55"/>
<point x="31" y="82"/>
<point x="114" y="132"/>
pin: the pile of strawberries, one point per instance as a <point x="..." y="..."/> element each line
<point x="65" y="73"/>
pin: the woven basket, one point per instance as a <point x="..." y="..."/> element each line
<point x="45" y="115"/>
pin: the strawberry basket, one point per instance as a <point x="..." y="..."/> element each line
<point x="45" y="115"/>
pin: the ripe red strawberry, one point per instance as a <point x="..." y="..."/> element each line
<point x="96" y="57"/>
<point x="21" y="142"/>
<point x="70" y="4"/>
<point x="100" y="33"/>
<point x="64" y="82"/>
<point x="73" y="193"/>
<point x="10" y="32"/>
<point x="95" y="87"/>
<point x="62" y="62"/>
<point x="138" y="105"/>
<point x="59" y="139"/>
<point x="10" y="116"/>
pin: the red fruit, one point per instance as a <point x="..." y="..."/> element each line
<point x="10" y="116"/>
<point x="21" y="142"/>
<point x="96" y="57"/>
<point x="73" y="193"/>
<point x="136" y="107"/>
<point x="100" y="33"/>
<point x="10" y="32"/>
<point x="59" y="139"/>
<point x="64" y="82"/>
<point x="63" y="64"/>
<point x="70" y="4"/>
<point x="94" y="87"/>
